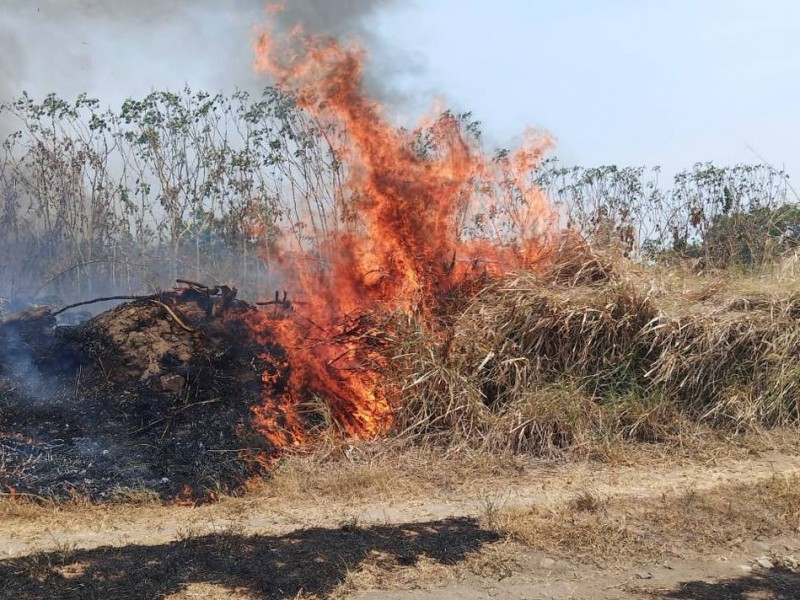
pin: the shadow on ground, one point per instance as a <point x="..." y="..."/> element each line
<point x="310" y="561"/>
<point x="776" y="584"/>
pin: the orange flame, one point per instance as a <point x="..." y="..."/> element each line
<point x="185" y="496"/>
<point x="407" y="247"/>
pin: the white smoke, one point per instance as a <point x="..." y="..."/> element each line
<point x="113" y="49"/>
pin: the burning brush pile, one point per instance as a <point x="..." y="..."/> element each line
<point x="439" y="303"/>
<point x="154" y="394"/>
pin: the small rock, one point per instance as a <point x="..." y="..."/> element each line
<point x="172" y="383"/>
<point x="547" y="563"/>
<point x="789" y="562"/>
<point x="746" y="568"/>
<point x="644" y="575"/>
<point x="761" y="547"/>
<point x="764" y="563"/>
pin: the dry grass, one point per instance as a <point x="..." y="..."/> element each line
<point x="345" y="561"/>
<point x="399" y="470"/>
<point x="311" y="562"/>
<point x="582" y="525"/>
<point x="210" y="591"/>
<point x="594" y="529"/>
<point x="383" y="472"/>
<point x="585" y="356"/>
<point x="383" y="571"/>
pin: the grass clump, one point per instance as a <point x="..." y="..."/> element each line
<point x="583" y="356"/>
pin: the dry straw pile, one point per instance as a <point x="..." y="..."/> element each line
<point x="598" y="350"/>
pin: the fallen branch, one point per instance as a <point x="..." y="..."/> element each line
<point x="84" y="264"/>
<point x="285" y="303"/>
<point x="199" y="287"/>
<point x="174" y="316"/>
<point x="106" y="299"/>
<point x="174" y="413"/>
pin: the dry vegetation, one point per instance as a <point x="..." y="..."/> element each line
<point x="588" y="355"/>
<point x="594" y="529"/>
<point x="583" y="355"/>
<point x="594" y="352"/>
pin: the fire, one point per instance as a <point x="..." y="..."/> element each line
<point x="407" y="246"/>
<point x="185" y="497"/>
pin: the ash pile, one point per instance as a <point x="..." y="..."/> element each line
<point x="155" y="394"/>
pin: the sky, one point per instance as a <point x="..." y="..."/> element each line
<point x="627" y="82"/>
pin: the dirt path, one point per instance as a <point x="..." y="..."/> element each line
<point x="720" y="575"/>
<point x="122" y="525"/>
<point x="319" y="522"/>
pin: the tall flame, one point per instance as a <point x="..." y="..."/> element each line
<point x="407" y="246"/>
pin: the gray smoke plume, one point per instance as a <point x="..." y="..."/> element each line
<point x="340" y="18"/>
<point x="117" y="48"/>
<point x="11" y="62"/>
<point x="112" y="49"/>
<point x="349" y="20"/>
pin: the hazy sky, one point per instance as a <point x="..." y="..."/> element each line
<point x="620" y="81"/>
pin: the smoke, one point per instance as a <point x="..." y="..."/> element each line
<point x="338" y="19"/>
<point x="142" y="10"/>
<point x="11" y="62"/>
<point x="11" y="69"/>
<point x="115" y="49"/>
<point x="17" y="363"/>
<point x="350" y="21"/>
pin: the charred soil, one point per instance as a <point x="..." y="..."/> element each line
<point x="152" y="394"/>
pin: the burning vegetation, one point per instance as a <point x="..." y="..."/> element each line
<point x="154" y="394"/>
<point x="183" y="395"/>
<point x="396" y="243"/>
<point x="429" y="294"/>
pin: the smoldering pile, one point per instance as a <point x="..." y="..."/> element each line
<point x="155" y="394"/>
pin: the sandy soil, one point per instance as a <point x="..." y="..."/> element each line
<point x="436" y="545"/>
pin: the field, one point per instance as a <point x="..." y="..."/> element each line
<point x="577" y="482"/>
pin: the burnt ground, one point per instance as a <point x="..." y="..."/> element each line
<point x="131" y="400"/>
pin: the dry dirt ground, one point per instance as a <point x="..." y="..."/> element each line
<point x="716" y="528"/>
